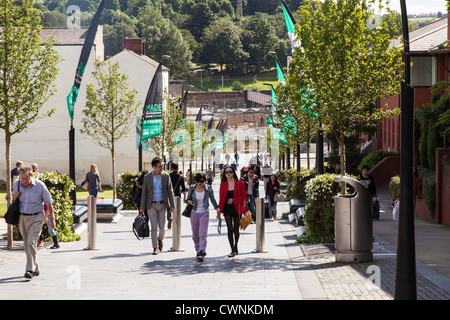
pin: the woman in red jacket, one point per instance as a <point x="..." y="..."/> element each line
<point x="232" y="196"/>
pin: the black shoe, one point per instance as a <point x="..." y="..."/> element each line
<point x="200" y="256"/>
<point x="55" y="243"/>
<point x="231" y="255"/>
<point x="36" y="273"/>
<point x="29" y="274"/>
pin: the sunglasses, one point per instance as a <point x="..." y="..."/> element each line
<point x="228" y="171"/>
<point x="202" y="181"/>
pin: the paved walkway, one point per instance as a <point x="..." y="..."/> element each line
<point x="124" y="268"/>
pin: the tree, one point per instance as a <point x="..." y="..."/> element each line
<point x="172" y="117"/>
<point x="27" y="71"/>
<point x="108" y="108"/>
<point x="298" y="125"/>
<point x="162" y="37"/>
<point x="343" y="65"/>
<point x="258" y="38"/>
<point x="222" y="44"/>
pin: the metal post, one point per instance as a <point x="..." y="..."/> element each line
<point x="260" y="225"/>
<point x="176" y="225"/>
<point x="92" y="221"/>
<point x="405" y="274"/>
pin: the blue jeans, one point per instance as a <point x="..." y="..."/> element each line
<point x="251" y="201"/>
<point x="272" y="208"/>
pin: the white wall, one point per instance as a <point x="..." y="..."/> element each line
<point x="46" y="141"/>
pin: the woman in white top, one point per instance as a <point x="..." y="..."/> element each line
<point x="198" y="196"/>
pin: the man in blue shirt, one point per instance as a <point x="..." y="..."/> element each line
<point x="32" y="194"/>
<point x="157" y="197"/>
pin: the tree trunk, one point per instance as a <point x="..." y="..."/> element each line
<point x="308" y="149"/>
<point x="113" y="160"/>
<point x="8" y="184"/>
<point x="341" y="142"/>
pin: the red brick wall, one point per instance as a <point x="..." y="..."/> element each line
<point x="385" y="169"/>
<point x="442" y="188"/>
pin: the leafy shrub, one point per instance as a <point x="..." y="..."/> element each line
<point x="59" y="186"/>
<point x="429" y="188"/>
<point x="319" y="213"/>
<point x="237" y="86"/>
<point x="125" y="187"/>
<point x="296" y="182"/>
<point x="372" y="159"/>
<point x="394" y="187"/>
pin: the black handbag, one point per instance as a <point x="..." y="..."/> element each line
<point x="187" y="211"/>
<point x="12" y="215"/>
<point x="140" y="227"/>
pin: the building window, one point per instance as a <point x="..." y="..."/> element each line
<point x="423" y="71"/>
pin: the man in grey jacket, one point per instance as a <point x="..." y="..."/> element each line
<point x="157" y="197"/>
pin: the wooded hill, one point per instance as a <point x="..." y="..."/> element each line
<point x="192" y="32"/>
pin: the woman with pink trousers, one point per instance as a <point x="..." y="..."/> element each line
<point x="198" y="197"/>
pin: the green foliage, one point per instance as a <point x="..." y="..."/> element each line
<point x="319" y="213"/>
<point x="222" y="44"/>
<point x="435" y="118"/>
<point x="429" y="188"/>
<point x="296" y="182"/>
<point x="125" y="187"/>
<point x="394" y="187"/>
<point x="237" y="86"/>
<point x="28" y="73"/>
<point x="108" y="109"/>
<point x="59" y="186"/>
<point x="372" y="159"/>
<point x="337" y="79"/>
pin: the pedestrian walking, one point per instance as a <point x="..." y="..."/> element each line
<point x="93" y="180"/>
<point x="330" y="168"/>
<point x="179" y="186"/>
<point x="232" y="196"/>
<point x="396" y="208"/>
<point x="368" y="181"/>
<point x="209" y="176"/>
<point x="15" y="171"/>
<point x="137" y="189"/>
<point x="272" y="188"/>
<point x="157" y="196"/>
<point x="251" y="182"/>
<point x="199" y="196"/>
<point x="33" y="195"/>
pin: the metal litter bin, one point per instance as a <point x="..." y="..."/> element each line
<point x="353" y="223"/>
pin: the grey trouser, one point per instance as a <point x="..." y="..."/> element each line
<point x="157" y="218"/>
<point x="30" y="227"/>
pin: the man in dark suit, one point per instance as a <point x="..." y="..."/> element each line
<point x="157" y="197"/>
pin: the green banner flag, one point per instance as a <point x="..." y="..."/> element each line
<point x="152" y="115"/>
<point x="290" y="25"/>
<point x="84" y="57"/>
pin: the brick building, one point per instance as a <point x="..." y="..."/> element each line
<point x="430" y="64"/>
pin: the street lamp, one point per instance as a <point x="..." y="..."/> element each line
<point x="405" y="275"/>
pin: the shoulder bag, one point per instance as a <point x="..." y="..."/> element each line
<point x="187" y="211"/>
<point x="12" y="215"/>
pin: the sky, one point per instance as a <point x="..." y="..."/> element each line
<point x="420" y="6"/>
